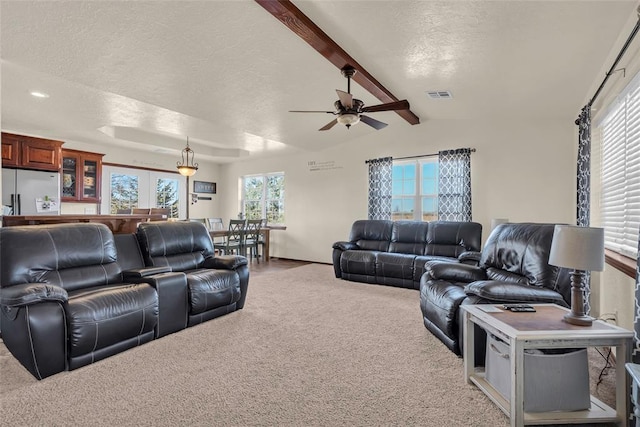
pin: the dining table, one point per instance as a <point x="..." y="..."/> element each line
<point x="265" y="232"/>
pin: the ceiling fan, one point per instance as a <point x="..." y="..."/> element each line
<point x="349" y="109"/>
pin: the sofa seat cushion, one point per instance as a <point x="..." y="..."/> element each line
<point x="209" y="289"/>
<point x="101" y="316"/>
<point x="395" y="265"/>
<point x="359" y="262"/>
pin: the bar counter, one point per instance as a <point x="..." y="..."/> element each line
<point x="117" y="223"/>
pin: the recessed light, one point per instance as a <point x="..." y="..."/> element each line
<point x="39" y="94"/>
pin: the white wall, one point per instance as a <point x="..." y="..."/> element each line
<point x="522" y="170"/>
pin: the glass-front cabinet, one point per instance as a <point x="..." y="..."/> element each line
<point x="81" y="174"/>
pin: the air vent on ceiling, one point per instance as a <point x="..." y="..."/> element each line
<point x="439" y="94"/>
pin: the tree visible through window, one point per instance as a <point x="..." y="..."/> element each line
<point x="415" y="190"/>
<point x="263" y="197"/>
<point x="167" y="195"/>
<point x="124" y="192"/>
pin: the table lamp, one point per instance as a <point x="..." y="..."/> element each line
<point x="581" y="249"/>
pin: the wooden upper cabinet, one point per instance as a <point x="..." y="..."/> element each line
<point x="81" y="176"/>
<point x="29" y="152"/>
<point x="10" y="150"/>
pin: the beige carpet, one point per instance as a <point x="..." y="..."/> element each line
<point x="307" y="350"/>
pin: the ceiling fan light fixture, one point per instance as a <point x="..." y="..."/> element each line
<point x="348" y="119"/>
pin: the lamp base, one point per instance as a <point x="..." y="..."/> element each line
<point x="578" y="319"/>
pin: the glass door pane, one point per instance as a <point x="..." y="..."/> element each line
<point x="69" y="178"/>
<point x="90" y="179"/>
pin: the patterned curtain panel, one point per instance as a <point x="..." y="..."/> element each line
<point x="583" y="185"/>
<point x="454" y="185"/>
<point x="584" y="167"/>
<point x="380" y="188"/>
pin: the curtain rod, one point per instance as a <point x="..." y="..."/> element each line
<point x="618" y="58"/>
<point x="473" y="150"/>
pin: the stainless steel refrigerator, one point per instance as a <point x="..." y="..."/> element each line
<point x="28" y="192"/>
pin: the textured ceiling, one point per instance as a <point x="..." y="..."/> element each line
<point x="225" y="73"/>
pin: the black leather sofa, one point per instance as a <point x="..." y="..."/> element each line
<point x="395" y="252"/>
<point x="66" y="301"/>
<point x="514" y="268"/>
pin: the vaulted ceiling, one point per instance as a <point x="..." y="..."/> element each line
<point x="226" y="73"/>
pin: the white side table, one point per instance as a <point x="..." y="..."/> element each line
<point x="544" y="329"/>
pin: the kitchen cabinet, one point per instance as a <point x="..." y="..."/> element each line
<point x="28" y="152"/>
<point x="81" y="176"/>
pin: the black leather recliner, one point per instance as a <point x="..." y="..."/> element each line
<point x="63" y="303"/>
<point x="215" y="285"/>
<point x="514" y="268"/>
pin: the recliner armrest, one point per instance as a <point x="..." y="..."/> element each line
<point x="225" y="262"/>
<point x="32" y="293"/>
<point x="137" y="273"/>
<point x="470" y="257"/>
<point x="497" y="291"/>
<point x="345" y="246"/>
<point x="453" y="272"/>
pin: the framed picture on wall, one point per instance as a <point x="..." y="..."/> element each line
<point x="204" y="187"/>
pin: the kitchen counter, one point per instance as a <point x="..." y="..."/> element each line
<point x="117" y="223"/>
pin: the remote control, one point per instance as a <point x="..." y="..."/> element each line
<point x="523" y="309"/>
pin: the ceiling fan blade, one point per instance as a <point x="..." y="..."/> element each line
<point x="389" y="106"/>
<point x="306" y="111"/>
<point x="329" y="125"/>
<point x="346" y="99"/>
<point x="376" y="124"/>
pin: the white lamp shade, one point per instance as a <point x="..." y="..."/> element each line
<point x="579" y="248"/>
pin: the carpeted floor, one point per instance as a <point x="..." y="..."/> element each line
<point x="307" y="350"/>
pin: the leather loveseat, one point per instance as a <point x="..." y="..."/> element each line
<point x="395" y="252"/>
<point x="215" y="285"/>
<point x="66" y="301"/>
<point x="514" y="268"/>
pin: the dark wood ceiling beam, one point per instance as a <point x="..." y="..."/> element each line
<point x="287" y="13"/>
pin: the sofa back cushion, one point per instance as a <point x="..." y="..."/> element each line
<point x="451" y="238"/>
<point x="181" y="245"/>
<point x="371" y="234"/>
<point x="520" y="253"/>
<point x="73" y="256"/>
<point x="129" y="255"/>
<point x="408" y="237"/>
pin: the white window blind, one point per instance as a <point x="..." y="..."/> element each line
<point x="620" y="204"/>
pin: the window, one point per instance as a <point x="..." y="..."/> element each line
<point x="620" y="171"/>
<point x="167" y="195"/>
<point x="415" y="190"/>
<point x="139" y="188"/>
<point x="124" y="192"/>
<point x="263" y="197"/>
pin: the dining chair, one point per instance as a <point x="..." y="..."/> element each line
<point x="165" y="212"/>
<point x="252" y="237"/>
<point x="200" y="220"/>
<point x="234" y="240"/>
<point x="140" y="211"/>
<point x="127" y="211"/>
<point x="215" y="224"/>
<point x="261" y="236"/>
